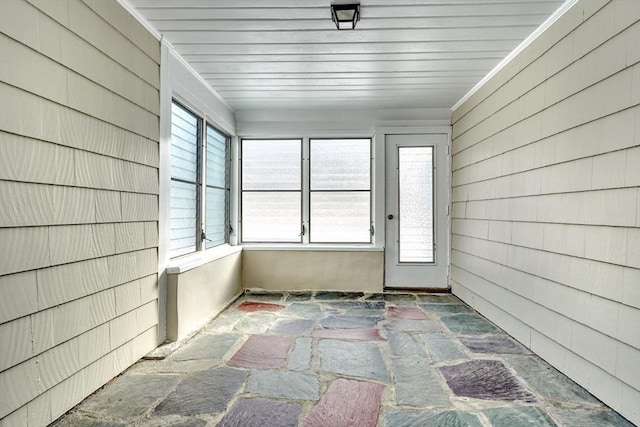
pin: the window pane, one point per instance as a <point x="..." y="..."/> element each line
<point x="340" y="217"/>
<point x="271" y="217"/>
<point x="215" y="217"/>
<point x="416" y="204"/>
<point x="184" y="144"/>
<point x="182" y="228"/>
<point x="216" y="158"/>
<point x="271" y="164"/>
<point x="340" y="164"/>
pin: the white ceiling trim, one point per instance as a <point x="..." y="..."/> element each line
<point x="522" y="46"/>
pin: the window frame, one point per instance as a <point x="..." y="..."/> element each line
<point x="305" y="192"/>
<point x="201" y="183"/>
<point x="369" y="191"/>
<point x="241" y="191"/>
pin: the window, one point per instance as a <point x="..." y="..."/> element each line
<point x="281" y="192"/>
<point x="340" y="184"/>
<point x="271" y="190"/>
<point x="197" y="158"/>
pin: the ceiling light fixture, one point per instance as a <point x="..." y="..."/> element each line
<point x="345" y="16"/>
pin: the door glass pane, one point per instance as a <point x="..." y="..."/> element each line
<point x="271" y="164"/>
<point x="415" y="218"/>
<point x="271" y="216"/>
<point x="182" y="228"/>
<point x="340" y="216"/>
<point x="340" y="164"/>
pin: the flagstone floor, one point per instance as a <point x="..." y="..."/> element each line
<point x="345" y="359"/>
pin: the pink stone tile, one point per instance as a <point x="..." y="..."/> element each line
<point x="406" y="313"/>
<point x="262" y="351"/>
<point x="259" y="306"/>
<point x="349" y="334"/>
<point x="347" y="403"/>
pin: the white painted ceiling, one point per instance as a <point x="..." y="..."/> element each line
<point x="270" y="54"/>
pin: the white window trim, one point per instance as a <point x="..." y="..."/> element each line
<point x="377" y="241"/>
<point x="179" y="82"/>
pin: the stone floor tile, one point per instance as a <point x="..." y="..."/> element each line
<point x="298" y="296"/>
<point x="416" y="383"/>
<point x="439" y="299"/>
<point x="441" y="347"/>
<point x="78" y="420"/>
<point x="203" y="393"/>
<point x="357" y="359"/>
<point x="469" y="324"/>
<point x="415" y="418"/>
<point x="261" y="413"/>
<point x="300" y="356"/>
<point x="224" y="322"/>
<point x="206" y="347"/>
<point x="547" y="381"/>
<point x="168" y="366"/>
<point x="252" y="306"/>
<point x="173" y="421"/>
<point x="348" y="306"/>
<point x="255" y="323"/>
<point x="495" y="345"/>
<point x="410" y="325"/>
<point x="331" y="295"/>
<point x="523" y="416"/>
<point x="295" y="327"/>
<point x="305" y="310"/>
<point x="273" y="297"/>
<point x="284" y="384"/>
<point x="130" y="396"/>
<point x="406" y="313"/>
<point x="485" y="379"/>
<point x="349" y="334"/>
<point x="446" y="308"/>
<point x="400" y="299"/>
<point x="347" y="403"/>
<point x="350" y="322"/>
<point x="403" y="344"/>
<point x="590" y="418"/>
<point x="262" y="351"/>
<point x="379" y="296"/>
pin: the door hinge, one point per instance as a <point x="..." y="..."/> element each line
<point x="448" y="149"/>
<point x="372" y="229"/>
<point x="447" y="210"/>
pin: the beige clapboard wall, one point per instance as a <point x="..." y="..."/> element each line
<point x="546" y="199"/>
<point x="78" y="202"/>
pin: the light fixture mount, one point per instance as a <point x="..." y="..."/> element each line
<point x="345" y="16"/>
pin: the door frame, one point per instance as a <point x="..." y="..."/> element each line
<point x="380" y="136"/>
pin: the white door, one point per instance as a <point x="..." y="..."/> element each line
<point x="417" y="209"/>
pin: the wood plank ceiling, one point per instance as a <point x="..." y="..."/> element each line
<point x="266" y="54"/>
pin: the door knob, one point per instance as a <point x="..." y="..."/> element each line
<point x="390" y="216"/>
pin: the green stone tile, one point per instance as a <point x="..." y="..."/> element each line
<point x="445" y="308"/>
<point x="590" y="418"/>
<point x="523" y="416"/>
<point x="284" y="384"/>
<point x="357" y="359"/>
<point x="547" y="381"/>
<point x="416" y="383"/>
<point x="425" y="418"/>
<point x="469" y="324"/>
<point x="300" y="356"/>
<point x="441" y="347"/>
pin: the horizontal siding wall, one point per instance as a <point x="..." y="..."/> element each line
<point x="546" y="199"/>
<point x="79" y="84"/>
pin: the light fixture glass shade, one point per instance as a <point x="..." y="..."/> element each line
<point x="345" y="16"/>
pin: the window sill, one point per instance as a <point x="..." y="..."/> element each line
<point x="192" y="261"/>
<point x="316" y="247"/>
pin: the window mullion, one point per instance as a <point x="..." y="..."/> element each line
<point x="306" y="223"/>
<point x="200" y="193"/>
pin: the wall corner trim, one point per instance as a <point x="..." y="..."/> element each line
<point x="564" y="8"/>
